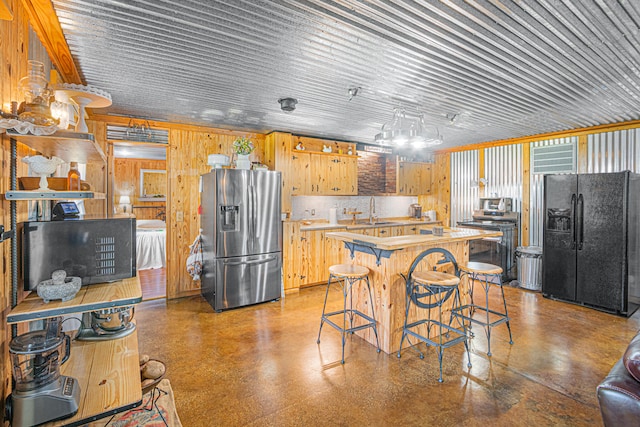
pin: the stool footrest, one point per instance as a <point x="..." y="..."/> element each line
<point x="371" y="322"/>
<point x="458" y="312"/>
<point x="461" y="336"/>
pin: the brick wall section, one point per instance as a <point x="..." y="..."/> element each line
<point x="376" y="173"/>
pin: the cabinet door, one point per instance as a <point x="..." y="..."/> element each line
<point x="413" y="178"/>
<point x="425" y="179"/>
<point x="348" y="177"/>
<point x="313" y="267"/>
<point x="301" y="172"/>
<point x="291" y="255"/>
<point x="333" y="253"/>
<point x="382" y="231"/>
<point x="366" y="231"/>
<point x="401" y="178"/>
<point x="410" y="230"/>
<point x="397" y="231"/>
<point x="321" y="174"/>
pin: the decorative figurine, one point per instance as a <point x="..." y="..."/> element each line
<point x="299" y="146"/>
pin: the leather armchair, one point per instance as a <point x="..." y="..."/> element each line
<point x="619" y="392"/>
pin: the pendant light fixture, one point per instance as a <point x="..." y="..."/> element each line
<point x="402" y="131"/>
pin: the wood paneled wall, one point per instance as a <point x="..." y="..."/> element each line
<point x="187" y="160"/>
<point x="126" y="178"/>
<point x="14" y="42"/>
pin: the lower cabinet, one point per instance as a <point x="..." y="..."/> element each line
<point x="308" y="254"/>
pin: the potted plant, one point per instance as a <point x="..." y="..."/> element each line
<point x="243" y="147"/>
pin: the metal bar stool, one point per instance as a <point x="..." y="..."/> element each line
<point x="485" y="274"/>
<point x="431" y="289"/>
<point x="348" y="275"/>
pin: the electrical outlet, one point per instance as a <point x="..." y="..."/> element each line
<point x="179" y="216"/>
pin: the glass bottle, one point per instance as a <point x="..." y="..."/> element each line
<point x="73" y="177"/>
<point x="37" y="94"/>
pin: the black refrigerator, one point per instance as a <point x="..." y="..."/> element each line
<point x="591" y="253"/>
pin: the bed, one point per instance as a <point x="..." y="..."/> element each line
<point x="151" y="236"/>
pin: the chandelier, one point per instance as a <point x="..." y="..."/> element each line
<point x="402" y="131"/>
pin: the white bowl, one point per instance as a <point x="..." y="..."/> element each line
<point x="216" y="161"/>
<point x="43" y="167"/>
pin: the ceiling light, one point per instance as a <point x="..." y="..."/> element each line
<point x="402" y="131"/>
<point x="287" y="104"/>
<point x="353" y="91"/>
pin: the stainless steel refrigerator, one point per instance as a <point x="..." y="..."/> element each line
<point x="241" y="237"/>
<point x="591" y="251"/>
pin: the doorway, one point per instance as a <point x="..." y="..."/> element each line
<point x="138" y="174"/>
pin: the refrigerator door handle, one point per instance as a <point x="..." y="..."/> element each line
<point x="254" y="209"/>
<point x="251" y="214"/>
<point x="581" y="221"/>
<point x="573" y="216"/>
<point x="258" y="261"/>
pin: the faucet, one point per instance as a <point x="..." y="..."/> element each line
<point x="372" y="210"/>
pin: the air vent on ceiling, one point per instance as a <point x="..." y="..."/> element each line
<point x="560" y="158"/>
<point x="137" y="133"/>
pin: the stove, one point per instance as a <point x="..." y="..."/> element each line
<point x="495" y="250"/>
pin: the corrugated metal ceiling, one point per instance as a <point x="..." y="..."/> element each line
<point x="502" y="68"/>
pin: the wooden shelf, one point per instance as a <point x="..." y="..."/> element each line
<point x="51" y="195"/>
<point x="89" y="298"/>
<point x="108" y="373"/>
<point x="323" y="153"/>
<point x="67" y="145"/>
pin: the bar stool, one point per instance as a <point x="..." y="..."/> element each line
<point x="348" y="275"/>
<point x="485" y="274"/>
<point x="431" y="289"/>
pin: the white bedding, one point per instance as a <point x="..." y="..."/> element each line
<point x="150" y="244"/>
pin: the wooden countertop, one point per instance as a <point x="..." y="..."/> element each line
<point x="395" y="243"/>
<point x="342" y="224"/>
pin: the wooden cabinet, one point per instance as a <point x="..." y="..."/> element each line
<point x="413" y="178"/>
<point x="333" y="175"/>
<point x="300" y="173"/>
<point x="307" y="255"/>
<point x="311" y="172"/>
<point x="313" y="256"/>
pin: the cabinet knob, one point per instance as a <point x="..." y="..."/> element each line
<point x="294" y="158"/>
<point x="383" y="231"/>
<point x="295" y="188"/>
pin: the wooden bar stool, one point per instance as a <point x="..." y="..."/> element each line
<point x="348" y="275"/>
<point x="485" y="274"/>
<point x="431" y="289"/>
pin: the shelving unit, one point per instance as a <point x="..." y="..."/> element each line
<point x="67" y="145"/>
<point x="89" y="298"/>
<point x="52" y="195"/>
<point x="107" y="371"/>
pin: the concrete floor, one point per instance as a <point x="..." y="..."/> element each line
<point x="261" y="366"/>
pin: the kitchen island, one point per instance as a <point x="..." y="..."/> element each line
<point x="387" y="258"/>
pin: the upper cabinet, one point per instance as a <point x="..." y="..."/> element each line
<point x="413" y="178"/>
<point x="308" y="170"/>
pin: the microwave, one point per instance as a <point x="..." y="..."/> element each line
<point x="496" y="204"/>
<point x="96" y="250"/>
